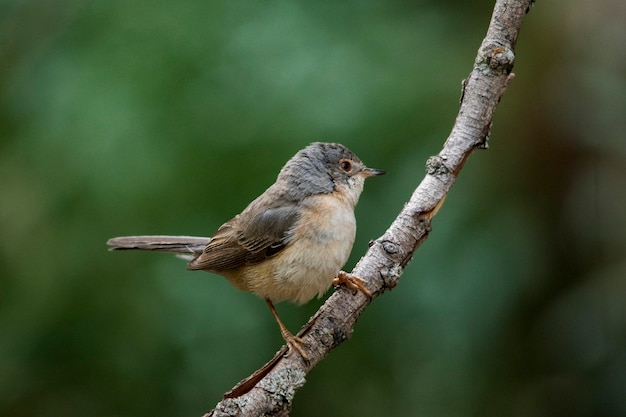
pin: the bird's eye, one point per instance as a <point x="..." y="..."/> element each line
<point x="345" y="165"/>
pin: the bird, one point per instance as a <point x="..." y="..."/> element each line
<point x="291" y="242"/>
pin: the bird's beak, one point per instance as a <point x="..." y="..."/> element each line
<point x="370" y="172"/>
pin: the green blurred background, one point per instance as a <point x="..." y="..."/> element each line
<point x="120" y="118"/>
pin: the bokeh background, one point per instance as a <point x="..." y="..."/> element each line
<point x="120" y="118"/>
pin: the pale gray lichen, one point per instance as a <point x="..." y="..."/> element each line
<point x="231" y="406"/>
<point x="283" y="384"/>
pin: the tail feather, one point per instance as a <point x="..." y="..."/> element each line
<point x="187" y="247"/>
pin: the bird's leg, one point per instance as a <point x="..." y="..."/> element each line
<point x="294" y="342"/>
<point x="352" y="281"/>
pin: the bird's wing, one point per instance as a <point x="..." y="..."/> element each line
<point x="248" y="239"/>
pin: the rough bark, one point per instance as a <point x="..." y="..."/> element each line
<point x="271" y="389"/>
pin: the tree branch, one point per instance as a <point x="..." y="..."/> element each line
<point x="270" y="390"/>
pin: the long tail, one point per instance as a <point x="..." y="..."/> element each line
<point x="186" y="247"/>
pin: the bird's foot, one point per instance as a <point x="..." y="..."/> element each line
<point x="295" y="343"/>
<point x="352" y="281"/>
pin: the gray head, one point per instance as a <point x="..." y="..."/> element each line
<point x="322" y="168"/>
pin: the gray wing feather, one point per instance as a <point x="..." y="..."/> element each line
<point x="248" y="239"/>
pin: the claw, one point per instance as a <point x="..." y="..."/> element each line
<point x="295" y="343"/>
<point x="352" y="281"/>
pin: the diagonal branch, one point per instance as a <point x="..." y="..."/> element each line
<point x="270" y="390"/>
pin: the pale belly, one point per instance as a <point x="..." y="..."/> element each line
<point x="307" y="267"/>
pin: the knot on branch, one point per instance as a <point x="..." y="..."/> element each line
<point x="436" y="167"/>
<point x="494" y="59"/>
<point x="390" y="248"/>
